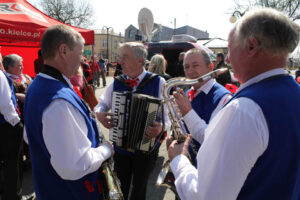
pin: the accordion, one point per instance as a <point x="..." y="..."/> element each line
<point x="132" y="114"/>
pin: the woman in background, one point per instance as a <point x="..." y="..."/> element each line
<point x="158" y="65"/>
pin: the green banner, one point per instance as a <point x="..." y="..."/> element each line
<point x="88" y="52"/>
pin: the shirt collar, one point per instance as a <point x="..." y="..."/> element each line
<point x="49" y="77"/>
<point x="12" y="75"/>
<point x="206" y="87"/>
<point x="262" y="76"/>
<point x="140" y="77"/>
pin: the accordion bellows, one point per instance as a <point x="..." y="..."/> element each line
<point x="132" y="114"/>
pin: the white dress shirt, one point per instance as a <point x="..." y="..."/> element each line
<point x="195" y="124"/>
<point x="233" y="141"/>
<point x="106" y="99"/>
<point x="7" y="108"/>
<point x="65" y="137"/>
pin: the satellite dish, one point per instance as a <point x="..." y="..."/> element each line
<point x="145" y="20"/>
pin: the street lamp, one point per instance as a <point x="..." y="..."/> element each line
<point x="174" y="31"/>
<point x="107" y="29"/>
<point x="234" y="16"/>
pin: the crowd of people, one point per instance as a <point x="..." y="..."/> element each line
<point x="242" y="131"/>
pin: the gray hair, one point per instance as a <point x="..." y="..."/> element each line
<point x="139" y="49"/>
<point x="202" y="52"/>
<point x="57" y="35"/>
<point x="158" y="64"/>
<point x="275" y="32"/>
<point x="11" y="60"/>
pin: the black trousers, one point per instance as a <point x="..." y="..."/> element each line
<point x="136" y="168"/>
<point x="11" y="138"/>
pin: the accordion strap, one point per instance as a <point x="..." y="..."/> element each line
<point x="122" y="79"/>
<point x="148" y="78"/>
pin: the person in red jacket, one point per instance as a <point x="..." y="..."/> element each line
<point x="95" y="69"/>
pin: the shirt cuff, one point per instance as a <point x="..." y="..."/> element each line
<point x="105" y="151"/>
<point x="13" y="121"/>
<point x="178" y="163"/>
<point x="190" y="117"/>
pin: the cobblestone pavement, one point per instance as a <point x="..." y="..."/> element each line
<point x="153" y="192"/>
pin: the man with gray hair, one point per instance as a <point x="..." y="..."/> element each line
<point x="251" y="147"/>
<point x="132" y="166"/>
<point x="203" y="100"/>
<point x="63" y="138"/>
<point x="11" y="138"/>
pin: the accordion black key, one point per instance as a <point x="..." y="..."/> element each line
<point x="132" y="114"/>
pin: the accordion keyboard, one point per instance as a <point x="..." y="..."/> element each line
<point x="118" y="111"/>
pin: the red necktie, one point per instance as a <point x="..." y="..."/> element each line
<point x="191" y="94"/>
<point x="132" y="83"/>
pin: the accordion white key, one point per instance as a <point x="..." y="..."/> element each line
<point x="132" y="114"/>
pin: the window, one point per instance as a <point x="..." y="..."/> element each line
<point x="104" y="43"/>
<point x="115" y="44"/>
<point x="131" y="34"/>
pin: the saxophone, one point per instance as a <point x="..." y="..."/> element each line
<point x="179" y="130"/>
<point x="112" y="186"/>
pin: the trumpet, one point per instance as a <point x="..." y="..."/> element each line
<point x="179" y="130"/>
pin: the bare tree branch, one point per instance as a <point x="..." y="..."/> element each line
<point x="73" y="12"/>
<point x="290" y="7"/>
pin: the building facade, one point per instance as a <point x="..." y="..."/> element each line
<point x="134" y="34"/>
<point x="105" y="45"/>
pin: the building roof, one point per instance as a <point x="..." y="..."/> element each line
<point x="214" y="43"/>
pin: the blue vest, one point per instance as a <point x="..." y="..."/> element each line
<point x="13" y="97"/>
<point x="48" y="184"/>
<point x="204" y="105"/>
<point x="276" y="173"/>
<point x="152" y="88"/>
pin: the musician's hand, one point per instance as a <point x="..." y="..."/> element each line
<point x="182" y="101"/>
<point x="105" y="118"/>
<point x="169" y="141"/>
<point x="154" y="130"/>
<point x="176" y="149"/>
<point x="20" y="97"/>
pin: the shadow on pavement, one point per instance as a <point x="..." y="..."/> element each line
<point x="156" y="192"/>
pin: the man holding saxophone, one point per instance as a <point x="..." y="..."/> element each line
<point x="63" y="138"/>
<point x="204" y="99"/>
<point x="251" y="147"/>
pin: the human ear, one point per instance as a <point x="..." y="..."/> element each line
<point x="62" y="49"/>
<point x="252" y="46"/>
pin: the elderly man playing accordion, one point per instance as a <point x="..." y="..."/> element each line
<point x="136" y="165"/>
<point x="63" y="138"/>
<point x="251" y="147"/>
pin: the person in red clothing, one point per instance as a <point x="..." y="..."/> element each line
<point x="87" y="71"/>
<point x="95" y="69"/>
